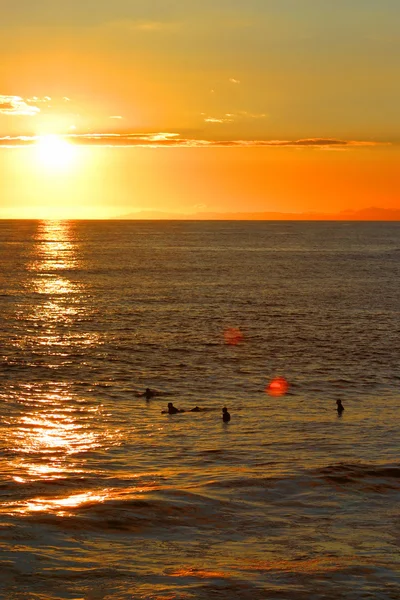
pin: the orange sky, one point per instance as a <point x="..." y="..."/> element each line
<point x="187" y="107"/>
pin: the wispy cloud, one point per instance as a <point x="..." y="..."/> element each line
<point x="248" y="115"/>
<point x="174" y="140"/>
<point x="231" y="117"/>
<point x="38" y="100"/>
<point x="233" y="80"/>
<point x="17" y="106"/>
<point x="226" y="119"/>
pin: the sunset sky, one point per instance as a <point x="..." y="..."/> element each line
<point x="187" y="106"/>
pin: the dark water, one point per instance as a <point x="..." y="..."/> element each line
<point x="103" y="497"/>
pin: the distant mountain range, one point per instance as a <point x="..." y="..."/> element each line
<point x="365" y="214"/>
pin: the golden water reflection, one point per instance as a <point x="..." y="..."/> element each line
<point x="56" y="432"/>
<point x="61" y="505"/>
<point x="59" y="300"/>
<point x="67" y="505"/>
<point x="55" y="253"/>
<point x="54" y="425"/>
<point x="52" y="443"/>
<point x="47" y="439"/>
<point x="53" y="285"/>
<point x="55" y="248"/>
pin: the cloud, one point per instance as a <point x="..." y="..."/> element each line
<point x="38" y="100"/>
<point x="247" y="115"/>
<point x="116" y="117"/>
<point x="173" y="140"/>
<point x="17" y="106"/>
<point x="230" y="117"/>
<point x="232" y="80"/>
<point x="32" y="105"/>
<point x="226" y="119"/>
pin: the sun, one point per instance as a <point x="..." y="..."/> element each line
<point x="54" y="152"/>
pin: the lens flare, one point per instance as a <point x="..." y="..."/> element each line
<point x="233" y="336"/>
<point x="277" y="387"/>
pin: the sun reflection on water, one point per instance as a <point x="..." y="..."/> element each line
<point x="54" y="285"/>
<point x="62" y="506"/>
<point x="54" y="434"/>
<point x="55" y="248"/>
<point x="55" y="430"/>
<point x="58" y="299"/>
<point x="54" y="256"/>
<point x="72" y="501"/>
<point x="46" y="439"/>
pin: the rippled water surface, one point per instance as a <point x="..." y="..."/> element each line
<point x="102" y="496"/>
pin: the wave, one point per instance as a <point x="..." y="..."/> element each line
<point x="358" y="476"/>
<point x="290" y="536"/>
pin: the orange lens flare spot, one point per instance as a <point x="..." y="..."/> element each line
<point x="233" y="336"/>
<point x="277" y="387"/>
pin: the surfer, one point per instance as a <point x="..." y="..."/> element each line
<point x="226" y="417"/>
<point x="172" y="410"/>
<point x="340" y="407"/>
<point x="148" y="394"/>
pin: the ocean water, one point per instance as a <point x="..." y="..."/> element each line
<point x="103" y="497"/>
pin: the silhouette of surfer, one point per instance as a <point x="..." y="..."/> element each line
<point x="148" y="394"/>
<point x="226" y="417"/>
<point x="172" y="410"/>
<point x="340" y="407"/>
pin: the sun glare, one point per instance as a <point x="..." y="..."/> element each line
<point x="54" y="152"/>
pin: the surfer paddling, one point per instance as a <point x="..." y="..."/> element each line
<point x="172" y="410"/>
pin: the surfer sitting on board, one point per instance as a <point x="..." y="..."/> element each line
<point x="226" y="417"/>
<point x="340" y="407"/>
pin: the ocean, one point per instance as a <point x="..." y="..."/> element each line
<point x="103" y="496"/>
